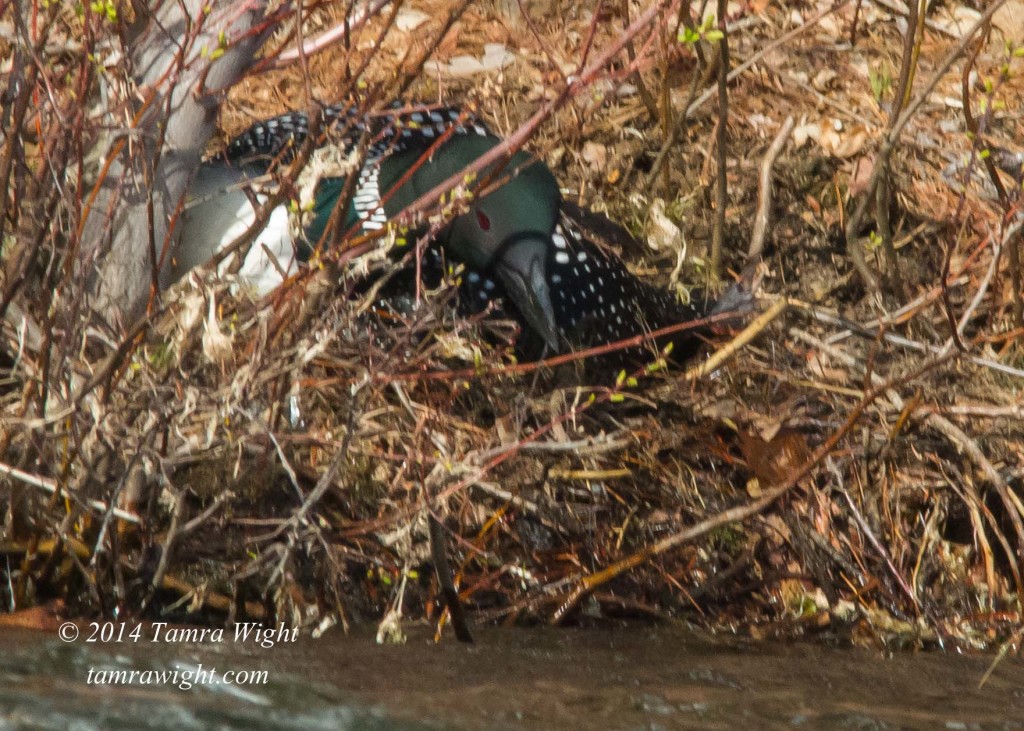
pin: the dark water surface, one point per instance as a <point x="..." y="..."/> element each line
<point x="626" y="678"/>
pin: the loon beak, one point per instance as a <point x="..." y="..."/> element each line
<point x="522" y="269"/>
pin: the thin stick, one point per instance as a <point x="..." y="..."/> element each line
<point x="764" y="191"/>
<point x="750" y="332"/>
<point x="722" y="146"/>
<point x="325" y="40"/>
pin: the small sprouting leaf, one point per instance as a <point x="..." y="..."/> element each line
<point x="689" y="36"/>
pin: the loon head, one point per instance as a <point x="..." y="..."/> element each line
<point x="507" y="231"/>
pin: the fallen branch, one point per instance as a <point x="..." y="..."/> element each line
<point x="51" y="487"/>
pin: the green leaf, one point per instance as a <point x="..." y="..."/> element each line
<point x="688" y="36"/>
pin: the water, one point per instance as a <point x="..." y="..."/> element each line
<point x="626" y="678"/>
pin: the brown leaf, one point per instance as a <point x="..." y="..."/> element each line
<point x="861" y="175"/>
<point x="772" y="461"/>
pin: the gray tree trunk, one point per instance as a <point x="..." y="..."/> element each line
<point x="126" y="232"/>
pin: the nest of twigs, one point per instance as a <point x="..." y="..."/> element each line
<point x="853" y="470"/>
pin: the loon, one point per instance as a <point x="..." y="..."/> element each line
<point x="520" y="243"/>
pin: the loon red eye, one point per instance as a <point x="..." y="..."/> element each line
<point x="483" y="220"/>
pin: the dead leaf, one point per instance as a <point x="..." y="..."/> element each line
<point x="823" y="78"/>
<point x="596" y="155"/>
<point x="861" y="175"/>
<point x="772" y="461"/>
<point x="839" y="141"/>
<point x="1010" y="19"/>
<point x="805" y="132"/>
<point x="662" y="233"/>
<point x="957" y="22"/>
<point x="217" y="346"/>
<point x="495" y="57"/>
<point x="409" y="19"/>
